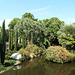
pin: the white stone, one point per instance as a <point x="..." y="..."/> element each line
<point x="16" y="56"/>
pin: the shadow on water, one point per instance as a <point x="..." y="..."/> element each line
<point x="39" y="67"/>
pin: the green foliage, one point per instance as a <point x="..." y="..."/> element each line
<point x="58" y="54"/>
<point x="26" y="26"/>
<point x="8" y="54"/>
<point x="13" y="23"/>
<point x="9" y="40"/>
<point x="44" y="32"/>
<point x="33" y="49"/>
<point x="29" y="15"/>
<point x="30" y="50"/>
<point x="23" y="41"/>
<point x="31" y="37"/>
<point x="22" y="59"/>
<point x="48" y="35"/>
<point x="10" y="61"/>
<point x="7" y="35"/>
<point x="3" y="45"/>
<point x="16" y="40"/>
<point x="2" y="67"/>
<point x="66" y="36"/>
<point x="24" y="53"/>
<point x="51" y="28"/>
<point x="20" y="39"/>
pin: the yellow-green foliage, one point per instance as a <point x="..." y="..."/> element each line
<point x="29" y="50"/>
<point x="33" y="49"/>
<point x="23" y="52"/>
<point x="58" y="54"/>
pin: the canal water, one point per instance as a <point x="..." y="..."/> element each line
<point x="38" y="66"/>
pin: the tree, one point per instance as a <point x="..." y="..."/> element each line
<point x="66" y="36"/>
<point x="26" y="26"/>
<point x="16" y="40"/>
<point x="13" y="23"/>
<point x="51" y="27"/>
<point x="9" y="40"/>
<point x="29" y="15"/>
<point x="23" y="41"/>
<point x="3" y="44"/>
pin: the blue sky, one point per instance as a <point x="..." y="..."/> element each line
<point x="41" y="9"/>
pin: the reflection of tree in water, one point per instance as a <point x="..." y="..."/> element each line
<point x="58" y="69"/>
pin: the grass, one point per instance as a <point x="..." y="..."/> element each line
<point x="3" y="68"/>
<point x="7" y="65"/>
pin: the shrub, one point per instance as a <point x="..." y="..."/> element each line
<point x="12" y="61"/>
<point x="24" y="53"/>
<point x="30" y="50"/>
<point x="22" y="59"/>
<point x="33" y="49"/>
<point x="2" y="67"/>
<point x="58" y="54"/>
<point x="9" y="62"/>
<point x="7" y="57"/>
<point x="8" y="54"/>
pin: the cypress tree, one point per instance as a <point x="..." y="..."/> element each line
<point x="16" y="40"/>
<point x="9" y="40"/>
<point x="3" y="44"/>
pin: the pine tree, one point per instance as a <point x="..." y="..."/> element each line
<point x="3" y="44"/>
<point x="16" y="40"/>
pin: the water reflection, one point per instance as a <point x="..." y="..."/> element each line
<point x="17" y="67"/>
<point x="39" y="67"/>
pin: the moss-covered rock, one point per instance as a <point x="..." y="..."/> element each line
<point x="58" y="54"/>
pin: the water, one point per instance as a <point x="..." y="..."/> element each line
<point x="39" y="67"/>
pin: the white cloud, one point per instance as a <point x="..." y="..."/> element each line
<point x="40" y="9"/>
<point x="7" y="21"/>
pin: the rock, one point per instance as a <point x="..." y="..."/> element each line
<point x="17" y="63"/>
<point x="16" y="56"/>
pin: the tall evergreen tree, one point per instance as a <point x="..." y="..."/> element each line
<point x="3" y="45"/>
<point x="9" y="40"/>
<point x="16" y="40"/>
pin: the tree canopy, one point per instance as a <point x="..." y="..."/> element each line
<point x="13" y="23"/>
<point x="66" y="36"/>
<point x="29" y="15"/>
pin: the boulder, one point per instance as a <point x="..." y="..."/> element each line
<point x="16" y="56"/>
